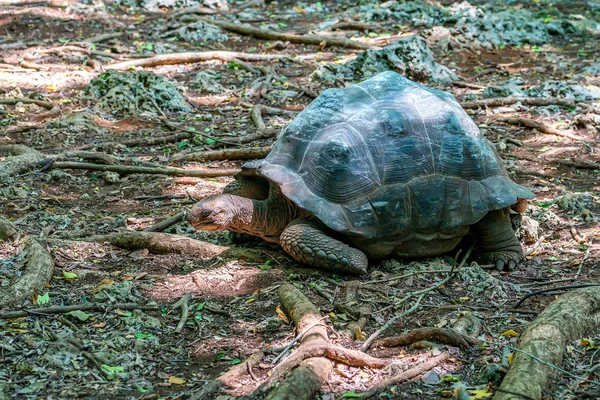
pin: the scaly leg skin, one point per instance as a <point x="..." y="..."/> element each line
<point x="496" y="241"/>
<point x="305" y="240"/>
<point x="250" y="189"/>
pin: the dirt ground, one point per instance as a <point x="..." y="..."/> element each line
<point x="46" y="65"/>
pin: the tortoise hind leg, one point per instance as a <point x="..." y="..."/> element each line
<point x="306" y="241"/>
<point x="496" y="241"/>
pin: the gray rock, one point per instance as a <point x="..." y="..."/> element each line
<point x="409" y="57"/>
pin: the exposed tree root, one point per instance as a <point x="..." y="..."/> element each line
<point x="305" y="380"/>
<point x="530" y="123"/>
<point x="244" y="153"/>
<point x="192" y="57"/>
<point x="104" y="36"/>
<point x="41" y="103"/>
<point x="248" y="30"/>
<point x="76" y="307"/>
<point x="160" y="243"/>
<point x="440" y="335"/>
<point x="528" y="101"/>
<point x="38" y="270"/>
<point x="347" y="356"/>
<point x="128" y="169"/>
<point x="405" y="376"/>
<point x="20" y="159"/>
<point x="574" y="315"/>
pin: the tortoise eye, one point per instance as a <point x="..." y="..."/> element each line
<point x="206" y="213"/>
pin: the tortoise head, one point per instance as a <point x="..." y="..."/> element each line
<point x="214" y="213"/>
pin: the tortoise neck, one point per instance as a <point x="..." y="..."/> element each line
<point x="272" y="215"/>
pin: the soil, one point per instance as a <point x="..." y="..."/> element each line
<point x="235" y="309"/>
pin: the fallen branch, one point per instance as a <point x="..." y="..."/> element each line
<point x="41" y="103"/>
<point x="530" y="123"/>
<point x="129" y="169"/>
<point x="38" y="270"/>
<point x="166" y="223"/>
<point x="184" y="304"/>
<point x="553" y="289"/>
<point x="258" y="110"/>
<point x="192" y="10"/>
<point x="244" y="153"/>
<point x="266" y="34"/>
<point x="20" y="159"/>
<point x="193" y="57"/>
<point x="42" y="311"/>
<point x="142" y="141"/>
<point x="405" y="376"/>
<point x="528" y="101"/>
<point x="104" y="36"/>
<point x="439" y="335"/>
<point x="574" y="315"/>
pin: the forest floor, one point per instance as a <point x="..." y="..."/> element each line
<point x="131" y="348"/>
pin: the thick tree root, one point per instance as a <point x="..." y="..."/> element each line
<point x="528" y="101"/>
<point x="574" y="315"/>
<point x="20" y="159"/>
<point x="439" y="335"/>
<point x="530" y="123"/>
<point x="244" y="153"/>
<point x="165" y="243"/>
<point x="131" y="169"/>
<point x="38" y="270"/>
<point x="192" y="57"/>
<point x="160" y="243"/>
<point x="305" y="380"/>
<point x="248" y="30"/>
<point x="405" y="376"/>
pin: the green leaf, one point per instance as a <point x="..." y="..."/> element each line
<point x="350" y="394"/>
<point x="219" y="356"/>
<point x="552" y="258"/>
<point x="140" y="335"/>
<point x="450" y="378"/>
<point x="536" y="48"/>
<point x="236" y="361"/>
<point x="210" y="141"/>
<point x="112" y="370"/>
<point x="80" y="315"/>
<point x="69" y="275"/>
<point x="63" y="40"/>
<point x="282" y="24"/>
<point x="200" y="306"/>
<point x="43" y="299"/>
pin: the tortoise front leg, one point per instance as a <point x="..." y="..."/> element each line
<point x="496" y="241"/>
<point x="306" y="241"/>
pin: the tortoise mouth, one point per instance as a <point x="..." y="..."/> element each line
<point x="205" y="225"/>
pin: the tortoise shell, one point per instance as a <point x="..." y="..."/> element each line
<point x="388" y="157"/>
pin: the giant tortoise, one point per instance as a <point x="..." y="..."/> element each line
<point x="386" y="167"/>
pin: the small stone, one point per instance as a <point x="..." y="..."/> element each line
<point x="111" y="177"/>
